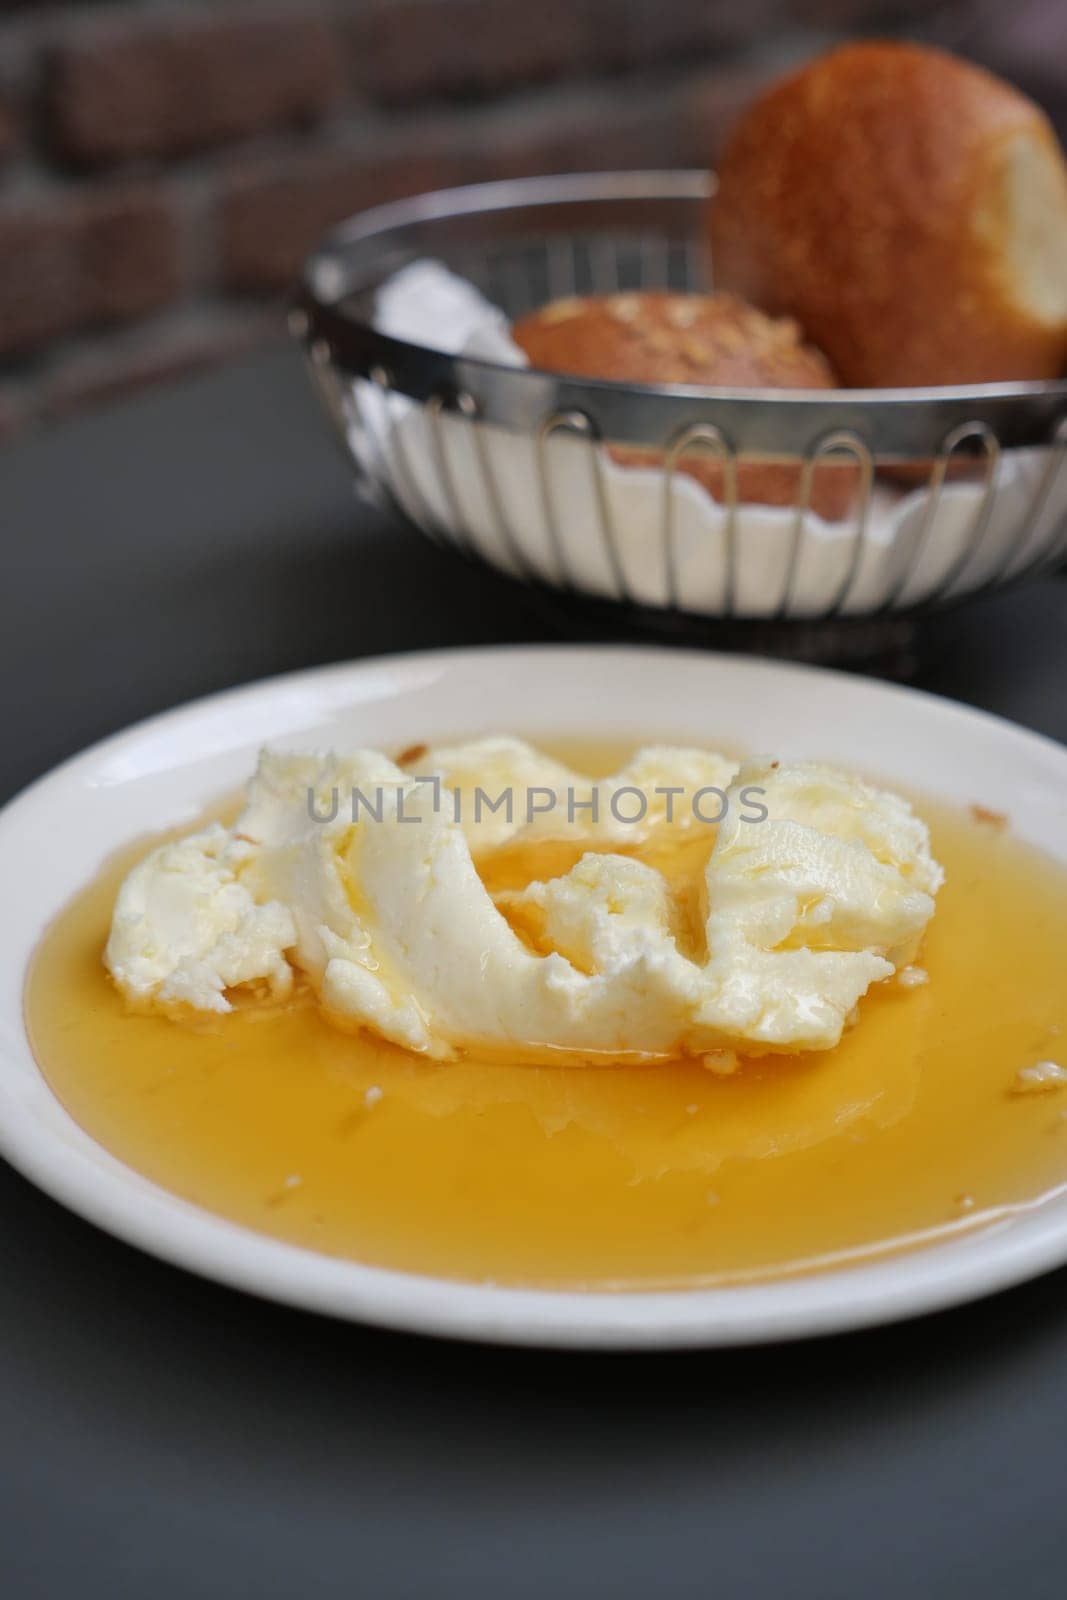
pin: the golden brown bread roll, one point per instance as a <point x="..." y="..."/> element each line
<point x="658" y="337"/>
<point x="910" y="210"/>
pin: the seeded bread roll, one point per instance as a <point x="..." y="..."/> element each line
<point x="910" y="210"/>
<point x="718" y="340"/>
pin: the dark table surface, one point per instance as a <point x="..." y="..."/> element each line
<point x="163" y="1437"/>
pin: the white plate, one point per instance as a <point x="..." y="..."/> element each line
<point x="55" y="836"/>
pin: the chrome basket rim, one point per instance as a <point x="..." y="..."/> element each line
<point x="898" y="424"/>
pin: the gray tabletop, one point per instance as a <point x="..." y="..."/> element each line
<point x="161" y="1436"/>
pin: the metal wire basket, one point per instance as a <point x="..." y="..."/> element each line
<point x="521" y="468"/>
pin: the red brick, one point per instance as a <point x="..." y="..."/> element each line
<point x="114" y="369"/>
<point x="108" y="258"/>
<point x="167" y="85"/>
<point x="680" y="124"/>
<point x="40" y="283"/>
<point x="272" y="214"/>
<point x="418" y="49"/>
<point x="633" y="34"/>
<point x="585" y="132"/>
<point x="130" y="256"/>
<point x="856" y="14"/>
<point x="7" y="132"/>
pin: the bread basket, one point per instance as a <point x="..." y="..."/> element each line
<point x="510" y="466"/>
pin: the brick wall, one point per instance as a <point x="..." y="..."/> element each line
<point x="164" y="168"/>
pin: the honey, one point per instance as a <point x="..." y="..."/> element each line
<point x="636" y="1176"/>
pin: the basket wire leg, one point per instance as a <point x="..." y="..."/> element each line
<point x="844" y="441"/>
<point x="1031" y="521"/>
<point x="467" y="406"/>
<point x="577" y="424"/>
<point x="424" y="514"/>
<point x="345" y="408"/>
<point x="545" y="432"/>
<point x="975" y="542"/>
<point x="1057" y="546"/>
<point x="380" y="471"/>
<point x="913" y="560"/>
<point x="435" y="408"/>
<point x="700" y="436"/>
<point x="326" y="383"/>
<point x="803" y="501"/>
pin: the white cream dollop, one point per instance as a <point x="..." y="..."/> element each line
<point x="363" y="875"/>
<point x="185" y="928"/>
<point x="548" y="800"/>
<point x="830" y="893"/>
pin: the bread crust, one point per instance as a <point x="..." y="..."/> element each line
<point x="869" y="196"/>
<point x="655" y="336"/>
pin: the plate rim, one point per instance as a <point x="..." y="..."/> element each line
<point x="930" y="1278"/>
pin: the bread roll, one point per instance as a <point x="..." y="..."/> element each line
<point x="659" y="337"/>
<point x="910" y="210"/>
